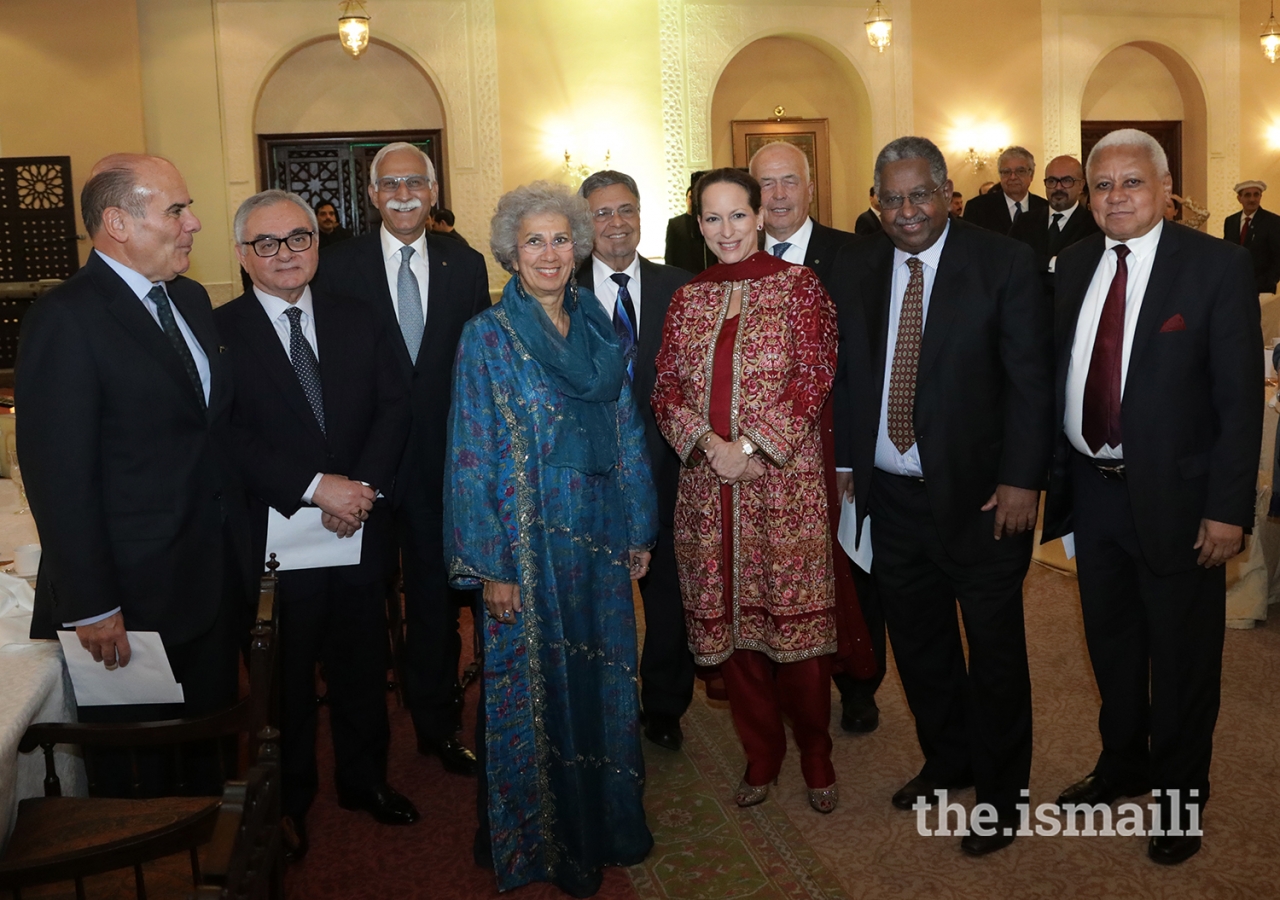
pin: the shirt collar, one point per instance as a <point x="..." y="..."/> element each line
<point x="602" y="271"/>
<point x="276" y="307"/>
<point x="799" y="238"/>
<point x="1065" y="213"/>
<point x="1025" y="202"/>
<point x="391" y="245"/>
<point x="137" y="282"/>
<point x="929" y="257"/>
<point x="1144" y="246"/>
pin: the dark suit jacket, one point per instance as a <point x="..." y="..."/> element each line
<point x="1033" y="230"/>
<point x="1263" y="244"/>
<point x="685" y="247"/>
<point x="867" y="223"/>
<point x="990" y="211"/>
<point x="1191" y="416"/>
<point x="824" y="243"/>
<point x="984" y="395"/>
<point x="657" y="284"/>
<point x="279" y="444"/>
<point x="130" y="480"/>
<point x="458" y="288"/>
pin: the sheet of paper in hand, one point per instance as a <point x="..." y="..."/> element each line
<point x="147" y="679"/>
<point x="302" y="542"/>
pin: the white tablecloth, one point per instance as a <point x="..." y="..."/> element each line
<point x="34" y="687"/>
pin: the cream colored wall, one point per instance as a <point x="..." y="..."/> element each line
<point x="1259" y="113"/>
<point x="1130" y="83"/>
<point x="71" y="80"/>
<point x="808" y="83"/>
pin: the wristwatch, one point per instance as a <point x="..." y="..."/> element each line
<point x="747" y="447"/>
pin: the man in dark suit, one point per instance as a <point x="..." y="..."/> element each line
<point x="787" y="189"/>
<point x="1060" y="224"/>
<point x="868" y="222"/>
<point x="943" y="414"/>
<point x="1257" y="230"/>
<point x="1158" y="424"/>
<point x="320" y="419"/>
<point x="426" y="287"/>
<point x="331" y="230"/>
<point x="635" y="294"/>
<point x="126" y="451"/>
<point x="998" y="210"/>
<point x="685" y="247"/>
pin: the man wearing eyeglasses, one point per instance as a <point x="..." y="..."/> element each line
<point x="425" y="287"/>
<point x="943" y="411"/>
<point x="999" y="210"/>
<point x="320" y="418"/>
<point x="635" y="294"/>
<point x="1064" y="222"/>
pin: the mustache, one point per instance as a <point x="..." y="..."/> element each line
<point x="914" y="220"/>
<point x="404" y="205"/>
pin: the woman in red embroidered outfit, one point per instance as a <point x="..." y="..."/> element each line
<point x="748" y="356"/>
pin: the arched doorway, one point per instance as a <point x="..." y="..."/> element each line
<point x="322" y="116"/>
<point x="1147" y="85"/>
<point x="809" y="80"/>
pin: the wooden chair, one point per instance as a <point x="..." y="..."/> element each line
<point x="60" y="838"/>
<point x="244" y="857"/>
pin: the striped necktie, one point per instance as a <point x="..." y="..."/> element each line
<point x="169" y="325"/>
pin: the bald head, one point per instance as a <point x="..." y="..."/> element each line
<point x="785" y="185"/>
<point x="1063" y="182"/>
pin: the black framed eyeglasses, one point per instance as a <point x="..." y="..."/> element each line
<point x="1067" y="182"/>
<point x="917" y="198"/>
<point x="269" y="246"/>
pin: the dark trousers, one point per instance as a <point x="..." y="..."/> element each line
<point x="666" y="665"/>
<point x="1155" y="642"/>
<point x="432" y="645"/>
<point x="973" y="722"/>
<point x="863" y="690"/>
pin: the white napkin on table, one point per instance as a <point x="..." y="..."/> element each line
<point x="16" y="602"/>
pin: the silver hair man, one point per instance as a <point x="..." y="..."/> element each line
<point x="535" y="199"/>
<point x="392" y="148"/>
<point x="606" y="178"/>
<point x="270" y="198"/>
<point x="1132" y="137"/>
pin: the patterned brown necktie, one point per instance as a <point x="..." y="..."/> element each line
<point x="906" y="360"/>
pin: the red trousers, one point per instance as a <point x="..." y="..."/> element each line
<point x="760" y="693"/>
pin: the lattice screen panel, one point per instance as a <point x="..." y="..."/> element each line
<point x="37" y="219"/>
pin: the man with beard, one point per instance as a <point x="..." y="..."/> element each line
<point x="331" y="230"/>
<point x="1059" y="225"/>
<point x="998" y="210"/>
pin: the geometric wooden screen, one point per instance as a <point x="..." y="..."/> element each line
<point x="334" y="168"/>
<point x="37" y="219"/>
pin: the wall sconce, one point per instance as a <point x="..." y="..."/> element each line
<point x="353" y="27"/>
<point x="879" y="26"/>
<point x="1270" y="37"/>
<point x="977" y="159"/>
<point x="577" y="173"/>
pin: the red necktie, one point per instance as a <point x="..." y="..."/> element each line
<point x="1244" y="230"/>
<point x="1100" y="423"/>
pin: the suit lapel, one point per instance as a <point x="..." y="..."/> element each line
<point x="653" y="311"/>
<point x="1069" y="300"/>
<point x="879" y="298"/>
<point x="195" y="310"/>
<point x="333" y="348"/>
<point x="944" y="299"/>
<point x="816" y="252"/>
<point x="438" y="292"/>
<point x="374" y="271"/>
<point x="1159" y="293"/>
<point x="264" y="343"/>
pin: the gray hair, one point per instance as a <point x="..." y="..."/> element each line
<point x="117" y="187"/>
<point x="535" y="199"/>
<point x="1132" y="137"/>
<point x="607" y="178"/>
<point x="804" y="157"/>
<point x="1015" y="150"/>
<point x="263" y="199"/>
<point x="910" y="147"/>
<point x="392" y="148"/>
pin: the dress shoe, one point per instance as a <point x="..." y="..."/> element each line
<point x="1093" y="789"/>
<point x="860" y="715"/>
<point x="1169" y="851"/>
<point x="920" y="786"/>
<point x="455" y="757"/>
<point x="384" y="803"/>
<point x="663" y="730"/>
<point x="293" y="835"/>
<point x="980" y="845"/>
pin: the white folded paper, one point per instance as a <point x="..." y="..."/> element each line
<point x="1069" y="544"/>
<point x="859" y="551"/>
<point x="147" y="679"/>
<point x="302" y="542"/>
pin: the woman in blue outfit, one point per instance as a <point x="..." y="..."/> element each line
<point x="550" y="507"/>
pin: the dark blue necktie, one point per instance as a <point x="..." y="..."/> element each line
<point x="169" y="325"/>
<point x="624" y="323"/>
<point x="780" y="248"/>
<point x="305" y="364"/>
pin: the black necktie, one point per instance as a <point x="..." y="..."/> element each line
<point x="1017" y="213"/>
<point x="305" y="364"/>
<point x="624" y="322"/>
<point x="1055" y="235"/>
<point x="169" y="325"/>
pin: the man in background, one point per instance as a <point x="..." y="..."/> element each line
<point x="331" y="230"/>
<point x="1062" y="223"/>
<point x="685" y="246"/>
<point x="957" y="205"/>
<point x="442" y="223"/>
<point x="1258" y="231"/>
<point x="868" y="221"/>
<point x="998" y="210"/>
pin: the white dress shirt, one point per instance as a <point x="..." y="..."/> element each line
<point x="275" y="309"/>
<point x="141" y="286"/>
<point x="1025" y="203"/>
<point x="607" y="289"/>
<point x="1062" y="226"/>
<point x="799" y="242"/>
<point x="417" y="265"/>
<point x="1142" y="253"/>
<point x="888" y="458"/>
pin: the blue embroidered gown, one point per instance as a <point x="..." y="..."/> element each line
<point x="561" y="753"/>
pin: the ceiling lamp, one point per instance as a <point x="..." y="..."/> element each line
<point x="353" y="27"/>
<point x="1270" y="37"/>
<point x="879" y="26"/>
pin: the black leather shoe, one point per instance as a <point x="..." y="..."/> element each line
<point x="860" y="715"/>
<point x="663" y="730"/>
<point x="293" y="835"/>
<point x="1093" y="789"/>
<point x="980" y="845"/>
<point x="384" y="803"/>
<point x="921" y="786"/>
<point x="1169" y="851"/>
<point x="456" y="758"/>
